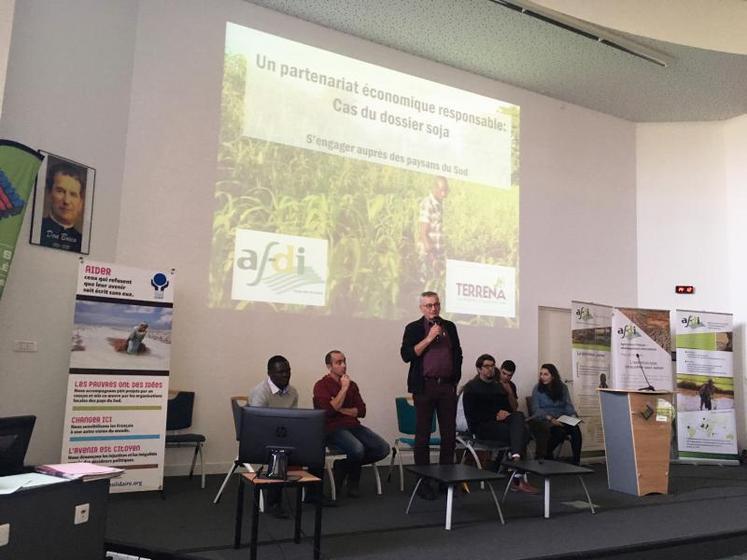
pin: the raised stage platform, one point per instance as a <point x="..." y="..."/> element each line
<point x="704" y="516"/>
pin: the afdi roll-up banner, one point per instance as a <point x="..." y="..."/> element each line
<point x="591" y="332"/>
<point x="118" y="386"/>
<point x="706" y="423"/>
<point x="641" y="349"/>
<point x="18" y="167"/>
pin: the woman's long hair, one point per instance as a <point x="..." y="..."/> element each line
<point x="554" y="389"/>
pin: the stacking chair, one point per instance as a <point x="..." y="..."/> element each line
<point x="179" y="417"/>
<point x="406" y="440"/>
<point x="237" y="402"/>
<point x="332" y="454"/>
<point x="471" y="444"/>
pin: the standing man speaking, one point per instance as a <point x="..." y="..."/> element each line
<point x="431" y="346"/>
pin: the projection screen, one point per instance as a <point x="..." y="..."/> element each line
<point x="345" y="188"/>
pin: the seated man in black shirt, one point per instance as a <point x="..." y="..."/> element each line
<point x="491" y="409"/>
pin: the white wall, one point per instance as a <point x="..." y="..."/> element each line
<point x="691" y="211"/>
<point x="67" y="92"/>
<point x="577" y="217"/>
<point x="735" y="163"/>
<point x="681" y="210"/>
<point x="6" y="28"/>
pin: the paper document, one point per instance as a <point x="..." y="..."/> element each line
<point x="86" y="471"/>
<point x="13" y="483"/>
<point x="569" y="420"/>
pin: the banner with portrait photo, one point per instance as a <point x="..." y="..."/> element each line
<point x="591" y="333"/>
<point x="63" y="205"/>
<point x="641" y="349"/>
<point x="117" y="394"/>
<point x="706" y="426"/>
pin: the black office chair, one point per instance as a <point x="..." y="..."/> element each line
<point x="179" y="417"/>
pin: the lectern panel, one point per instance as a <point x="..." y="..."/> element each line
<point x="636" y="441"/>
<point x="651" y="440"/>
<point x="618" y="438"/>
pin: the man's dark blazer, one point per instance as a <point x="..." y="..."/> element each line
<point x="414" y="333"/>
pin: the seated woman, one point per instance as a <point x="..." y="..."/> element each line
<point x="550" y="400"/>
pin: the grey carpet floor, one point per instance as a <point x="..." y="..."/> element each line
<point x="703" y="501"/>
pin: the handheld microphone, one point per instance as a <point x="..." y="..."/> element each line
<point x="440" y="322"/>
<point x="649" y="387"/>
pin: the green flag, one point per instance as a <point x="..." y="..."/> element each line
<point x="18" y="167"/>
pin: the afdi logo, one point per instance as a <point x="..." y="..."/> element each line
<point x="274" y="259"/>
<point x="279" y="268"/>
<point x="584" y="314"/>
<point x="628" y="332"/>
<point x="692" y="321"/>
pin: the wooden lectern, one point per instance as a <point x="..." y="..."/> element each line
<point x="636" y="440"/>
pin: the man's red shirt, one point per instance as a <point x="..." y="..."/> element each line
<point x="325" y="390"/>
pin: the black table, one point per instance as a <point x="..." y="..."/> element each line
<point x="547" y="469"/>
<point x="41" y="521"/>
<point x="452" y="475"/>
<point x="296" y="478"/>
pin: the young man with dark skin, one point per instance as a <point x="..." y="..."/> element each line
<point x="275" y="392"/>
<point x="340" y="398"/>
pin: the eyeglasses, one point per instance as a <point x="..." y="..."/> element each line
<point x="431" y="305"/>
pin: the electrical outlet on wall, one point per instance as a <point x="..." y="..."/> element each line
<point x="81" y="513"/>
<point x="4" y="534"/>
<point x="25" y="346"/>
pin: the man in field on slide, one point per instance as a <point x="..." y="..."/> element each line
<point x="430" y="233"/>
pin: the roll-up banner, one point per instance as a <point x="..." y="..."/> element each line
<point x="641" y="349"/>
<point x="118" y="385"/>
<point x="591" y="328"/>
<point x="706" y="422"/>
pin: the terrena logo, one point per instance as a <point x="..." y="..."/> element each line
<point x="479" y="291"/>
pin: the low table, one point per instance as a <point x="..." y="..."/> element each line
<point x="547" y="469"/>
<point x="452" y="475"/>
<point x="297" y="479"/>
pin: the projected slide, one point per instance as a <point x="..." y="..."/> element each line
<point x="345" y="188"/>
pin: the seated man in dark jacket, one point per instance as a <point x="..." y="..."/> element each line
<point x="491" y="409"/>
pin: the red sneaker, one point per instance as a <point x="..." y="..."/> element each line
<point x="524" y="486"/>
